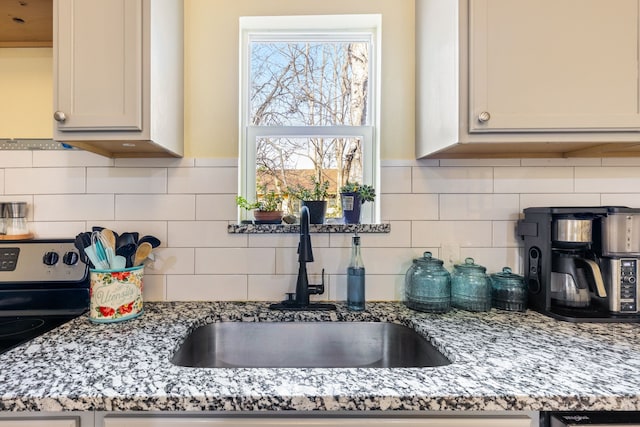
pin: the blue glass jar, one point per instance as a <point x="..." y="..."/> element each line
<point x="470" y="287"/>
<point x="508" y="291"/>
<point x="428" y="285"/>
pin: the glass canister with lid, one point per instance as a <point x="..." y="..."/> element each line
<point x="470" y="287"/>
<point x="508" y="291"/>
<point x="428" y="285"/>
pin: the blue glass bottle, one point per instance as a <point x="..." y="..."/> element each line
<point x="355" y="278"/>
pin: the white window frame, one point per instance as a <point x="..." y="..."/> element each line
<point x="321" y="28"/>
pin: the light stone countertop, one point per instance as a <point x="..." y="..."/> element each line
<point x="501" y="361"/>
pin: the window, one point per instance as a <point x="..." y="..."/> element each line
<point x="309" y="105"/>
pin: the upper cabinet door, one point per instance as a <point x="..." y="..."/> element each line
<point x="99" y="65"/>
<point x="553" y="65"/>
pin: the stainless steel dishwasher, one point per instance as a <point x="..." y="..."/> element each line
<point x="592" y="419"/>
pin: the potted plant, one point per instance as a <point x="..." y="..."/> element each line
<point x="315" y="199"/>
<point x="266" y="210"/>
<point x="352" y="196"/>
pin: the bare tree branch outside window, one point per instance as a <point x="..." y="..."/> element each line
<point x="321" y="83"/>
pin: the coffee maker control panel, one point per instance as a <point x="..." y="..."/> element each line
<point x="628" y="285"/>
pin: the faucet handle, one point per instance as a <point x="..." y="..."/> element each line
<point x="317" y="289"/>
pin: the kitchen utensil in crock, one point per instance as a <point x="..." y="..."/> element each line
<point x="154" y="241"/>
<point x="143" y="251"/>
<point x="124" y="239"/>
<point x="128" y="252"/>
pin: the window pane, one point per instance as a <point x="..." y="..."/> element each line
<point x="285" y="164"/>
<point x="309" y="83"/>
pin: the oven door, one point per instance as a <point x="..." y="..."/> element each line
<point x="594" y="419"/>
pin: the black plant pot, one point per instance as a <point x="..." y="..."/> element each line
<point x="351" y="204"/>
<point x="317" y="210"/>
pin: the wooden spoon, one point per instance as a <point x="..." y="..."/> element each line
<point x="109" y="238"/>
<point x="143" y="251"/>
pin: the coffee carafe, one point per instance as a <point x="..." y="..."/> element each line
<point x="572" y="278"/>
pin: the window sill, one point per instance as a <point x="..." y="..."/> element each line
<point x="313" y="228"/>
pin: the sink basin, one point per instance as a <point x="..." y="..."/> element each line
<point x="306" y="345"/>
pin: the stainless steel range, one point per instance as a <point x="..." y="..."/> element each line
<point x="43" y="284"/>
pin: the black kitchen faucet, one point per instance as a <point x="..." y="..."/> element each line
<point x="300" y="300"/>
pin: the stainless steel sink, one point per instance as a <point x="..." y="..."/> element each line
<point x="306" y="345"/>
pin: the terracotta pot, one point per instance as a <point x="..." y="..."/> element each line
<point x="271" y="217"/>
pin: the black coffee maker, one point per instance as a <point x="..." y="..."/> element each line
<point x="562" y="264"/>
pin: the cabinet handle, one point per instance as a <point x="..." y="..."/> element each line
<point x="484" y="117"/>
<point x="59" y="116"/>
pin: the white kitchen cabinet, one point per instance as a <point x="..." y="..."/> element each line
<point x="39" y="423"/>
<point x="118" y="76"/>
<point x="543" y="78"/>
<point x="270" y="421"/>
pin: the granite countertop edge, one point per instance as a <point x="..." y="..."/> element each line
<point x="501" y="361"/>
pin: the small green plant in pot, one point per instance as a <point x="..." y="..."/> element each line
<point x="352" y="196"/>
<point x="267" y="209"/>
<point x="315" y="199"/>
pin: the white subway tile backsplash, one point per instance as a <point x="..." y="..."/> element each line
<point x="154" y="287"/>
<point x="216" y="207"/>
<point x="462" y="233"/>
<point x="453" y="180"/>
<point x="143" y="207"/>
<point x="399" y="237"/>
<point x="533" y="180"/>
<point x="73" y="207"/>
<point x="44" y="180"/>
<point x="203" y="180"/>
<point x="203" y="234"/>
<point x="607" y="180"/>
<point x="207" y="288"/>
<point x="57" y="229"/>
<point x="479" y="162"/>
<point x="494" y="259"/>
<point x="74" y="158"/>
<point x="16" y="159"/>
<point x="621" y="199"/>
<point x="288" y="240"/>
<point x="395" y="180"/>
<point x="504" y="235"/>
<point x="620" y="161"/>
<point x="235" y="261"/>
<point x="376" y="288"/>
<point x="172" y="261"/>
<point x="184" y="162"/>
<point x="210" y="162"/>
<point x="566" y="199"/>
<point x="454" y="208"/>
<point x="127" y="180"/>
<point x="570" y="161"/>
<point x="265" y="287"/>
<point x="407" y="207"/>
<point x="479" y="206"/>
